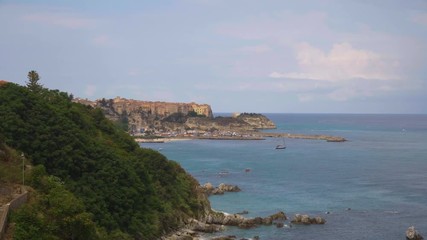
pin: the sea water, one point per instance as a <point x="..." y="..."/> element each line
<point x="374" y="186"/>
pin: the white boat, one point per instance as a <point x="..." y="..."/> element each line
<point x="281" y="146"/>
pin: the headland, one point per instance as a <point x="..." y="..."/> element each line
<point x="165" y="121"/>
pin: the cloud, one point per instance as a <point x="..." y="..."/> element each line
<point x="342" y="62"/>
<point x="62" y="20"/>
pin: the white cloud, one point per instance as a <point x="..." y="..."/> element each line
<point x="342" y="62"/>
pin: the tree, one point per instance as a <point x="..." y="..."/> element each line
<point x="33" y="81"/>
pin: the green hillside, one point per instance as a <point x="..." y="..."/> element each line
<point x="81" y="155"/>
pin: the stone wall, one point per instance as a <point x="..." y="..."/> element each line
<point x="3" y="219"/>
<point x="15" y="203"/>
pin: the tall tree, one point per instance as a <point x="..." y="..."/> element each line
<point x="33" y="81"/>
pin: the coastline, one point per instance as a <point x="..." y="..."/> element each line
<point x="358" y="215"/>
<point x="161" y="140"/>
<point x="244" y="136"/>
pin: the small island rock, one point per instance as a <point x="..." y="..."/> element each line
<point x="305" y="219"/>
<point x="412" y="234"/>
<point x="221" y="189"/>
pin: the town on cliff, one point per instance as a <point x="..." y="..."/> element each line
<point x="157" y="121"/>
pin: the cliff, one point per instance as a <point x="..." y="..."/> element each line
<point x="141" y="116"/>
<point x="144" y="116"/>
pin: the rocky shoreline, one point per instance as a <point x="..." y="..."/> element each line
<point x="217" y="221"/>
<point x="214" y="221"/>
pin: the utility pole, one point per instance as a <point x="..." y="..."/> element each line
<point x="23" y="168"/>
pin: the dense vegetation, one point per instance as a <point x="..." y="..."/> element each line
<point x="10" y="165"/>
<point x="114" y="186"/>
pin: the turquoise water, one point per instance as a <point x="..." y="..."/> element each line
<point x="380" y="173"/>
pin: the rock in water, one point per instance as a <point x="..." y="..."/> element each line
<point x="228" y="188"/>
<point x="319" y="220"/>
<point x="221" y="189"/>
<point x="280" y="225"/>
<point x="231" y="237"/>
<point x="305" y="219"/>
<point x="412" y="234"/>
<point x="208" y="186"/>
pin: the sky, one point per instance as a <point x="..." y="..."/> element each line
<point x="270" y="56"/>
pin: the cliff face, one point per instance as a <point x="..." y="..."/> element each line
<point x="159" y="109"/>
<point x="143" y="116"/>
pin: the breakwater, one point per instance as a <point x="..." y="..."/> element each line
<point x="327" y="138"/>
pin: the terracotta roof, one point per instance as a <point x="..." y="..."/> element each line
<point x="3" y="82"/>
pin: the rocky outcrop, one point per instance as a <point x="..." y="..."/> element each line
<point x="221" y="189"/>
<point x="145" y="116"/>
<point x="412" y="234"/>
<point x="231" y="237"/>
<point x="245" y="122"/>
<point x="257" y="121"/>
<point x="305" y="219"/>
<point x="242" y="222"/>
<point x="215" y="221"/>
<point x="218" y="124"/>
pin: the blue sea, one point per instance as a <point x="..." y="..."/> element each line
<point x="374" y="186"/>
